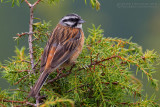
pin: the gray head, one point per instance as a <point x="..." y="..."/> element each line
<point x="72" y="20"/>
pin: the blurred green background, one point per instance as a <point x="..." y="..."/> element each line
<point x="119" y="18"/>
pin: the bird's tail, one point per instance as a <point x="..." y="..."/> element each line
<point x="36" y="88"/>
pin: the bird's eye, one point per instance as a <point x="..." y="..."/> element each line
<point x="71" y="20"/>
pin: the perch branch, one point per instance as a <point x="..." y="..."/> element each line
<point x="93" y="63"/>
<point x="70" y="71"/>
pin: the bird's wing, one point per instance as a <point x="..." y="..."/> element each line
<point x="60" y="49"/>
<point x="44" y="56"/>
<point x="52" y="40"/>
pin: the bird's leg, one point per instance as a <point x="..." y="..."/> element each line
<point x="39" y="99"/>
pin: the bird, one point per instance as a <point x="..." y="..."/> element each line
<point x="63" y="48"/>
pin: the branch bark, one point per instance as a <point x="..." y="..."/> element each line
<point x="20" y="102"/>
<point x="31" y="6"/>
<point x="30" y="37"/>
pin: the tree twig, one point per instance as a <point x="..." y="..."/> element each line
<point x="31" y="32"/>
<point x="13" y="101"/>
<point x="25" y="61"/>
<point x="30" y="37"/>
<point x="28" y="3"/>
<point x="36" y="2"/>
<point x="22" y="34"/>
<point x="21" y="79"/>
<point x="20" y="102"/>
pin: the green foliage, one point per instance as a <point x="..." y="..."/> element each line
<point x="94" y="3"/>
<point x="17" y="2"/>
<point x="103" y="75"/>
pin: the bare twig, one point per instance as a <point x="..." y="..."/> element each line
<point x="36" y="2"/>
<point x="35" y="39"/>
<point x="26" y="61"/>
<point x="31" y="32"/>
<point x="30" y="37"/>
<point x="28" y="3"/>
<point x="20" y="102"/>
<point x="13" y="101"/>
<point x="97" y="62"/>
<point x="22" y="34"/>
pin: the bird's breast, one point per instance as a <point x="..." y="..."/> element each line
<point x="78" y="50"/>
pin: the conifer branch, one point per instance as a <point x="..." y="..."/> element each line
<point x="20" y="102"/>
<point x="70" y="71"/>
<point x="22" y="79"/>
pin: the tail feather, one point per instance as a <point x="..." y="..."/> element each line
<point x="36" y="88"/>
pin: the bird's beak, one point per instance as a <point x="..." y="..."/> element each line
<point x="81" y="21"/>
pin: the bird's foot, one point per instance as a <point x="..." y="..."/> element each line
<point x="40" y="99"/>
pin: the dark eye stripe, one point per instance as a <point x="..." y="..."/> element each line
<point x="71" y="20"/>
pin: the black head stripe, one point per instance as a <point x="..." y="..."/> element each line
<point x="72" y="14"/>
<point x="71" y="20"/>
